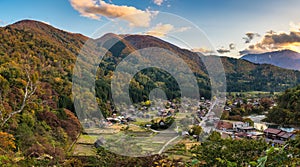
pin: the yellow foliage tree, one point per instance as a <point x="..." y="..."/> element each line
<point x="7" y="141"/>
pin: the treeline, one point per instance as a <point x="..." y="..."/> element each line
<point x="287" y="112"/>
<point x="244" y="76"/>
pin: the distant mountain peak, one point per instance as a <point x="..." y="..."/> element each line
<point x="283" y="58"/>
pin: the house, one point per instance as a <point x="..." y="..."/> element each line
<point x="272" y="133"/>
<point x="239" y="124"/>
<point x="222" y="125"/>
<point x="255" y="135"/>
<point x="278" y="136"/>
<point x="246" y="129"/>
<point x="241" y="135"/>
<point x="260" y="126"/>
<point x="285" y="135"/>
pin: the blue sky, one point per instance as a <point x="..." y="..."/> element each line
<point x="223" y="21"/>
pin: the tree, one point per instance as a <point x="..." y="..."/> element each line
<point x="7" y="142"/>
<point x="196" y="130"/>
<point x="266" y="103"/>
<point x="251" y="123"/>
<point x="216" y="151"/>
<point x="30" y="89"/>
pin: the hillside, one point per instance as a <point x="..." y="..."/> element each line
<point x="241" y="75"/>
<point x="285" y="59"/>
<point x="52" y="53"/>
<point x="245" y="76"/>
<point x="287" y="112"/>
<point x="41" y="58"/>
<point x="38" y="57"/>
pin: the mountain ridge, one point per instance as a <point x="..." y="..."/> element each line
<point x="72" y="44"/>
<point x="284" y="58"/>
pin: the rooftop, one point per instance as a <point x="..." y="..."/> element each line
<point x="273" y="131"/>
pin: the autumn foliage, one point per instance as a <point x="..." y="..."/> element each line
<point x="7" y="141"/>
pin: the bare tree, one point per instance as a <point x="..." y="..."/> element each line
<point x="30" y="89"/>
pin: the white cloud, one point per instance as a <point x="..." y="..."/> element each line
<point x="294" y="27"/>
<point x="160" y="30"/>
<point x="94" y="9"/>
<point x="182" y="29"/>
<point x="158" y="2"/>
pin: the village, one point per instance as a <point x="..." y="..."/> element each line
<point x="155" y="119"/>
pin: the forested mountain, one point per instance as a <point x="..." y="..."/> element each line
<point x="241" y="75"/>
<point x="287" y="112"/>
<point x="245" y="76"/>
<point x="285" y="59"/>
<point x="36" y="67"/>
<point x="35" y="86"/>
<point x="51" y="54"/>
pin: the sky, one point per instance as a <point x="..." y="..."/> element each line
<point x="233" y="27"/>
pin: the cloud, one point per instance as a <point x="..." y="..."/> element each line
<point x="96" y="9"/>
<point x="182" y="29"/>
<point x="232" y="46"/>
<point x="161" y="30"/>
<point x="223" y="50"/>
<point x="158" y="2"/>
<point x="282" y="38"/>
<point x="251" y="51"/>
<point x="250" y="36"/>
<point x="294" y="27"/>
<point x="203" y="50"/>
<point x="275" y="41"/>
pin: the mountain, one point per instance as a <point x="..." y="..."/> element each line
<point x="47" y="124"/>
<point x="241" y="75"/>
<point x="285" y="59"/>
<point x="54" y="52"/>
<point x="47" y="56"/>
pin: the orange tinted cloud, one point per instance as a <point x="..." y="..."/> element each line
<point x="95" y="9"/>
<point x="276" y="41"/>
<point x="160" y="30"/>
